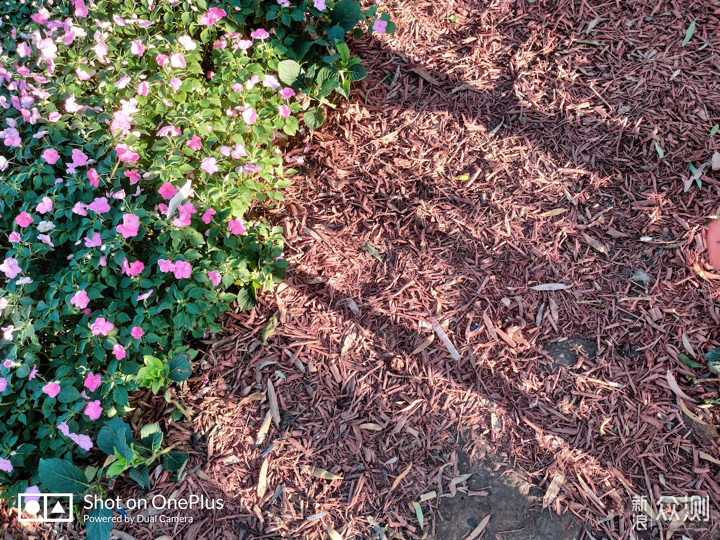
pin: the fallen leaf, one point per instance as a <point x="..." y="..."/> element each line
<point x="400" y="477"/>
<point x="272" y="399"/>
<point x="691" y="415"/>
<point x="372" y="251"/>
<point x="264" y="428"/>
<point x="428" y="496"/>
<point x="687" y="345"/>
<point x="551" y="287"/>
<point x="590" y="492"/>
<point x="708" y="457"/>
<point x="332" y="533"/>
<point x="257" y="396"/>
<point x="460" y="479"/>
<point x="424" y="345"/>
<point x="418" y="513"/>
<point x="689" y="34"/>
<point x="317" y="472"/>
<point x="716" y="160"/>
<point x="554" y="489"/>
<point x="554" y="212"/>
<point x="713" y="243"/>
<point x="672" y="383"/>
<point x="262" y="480"/>
<point x="425" y="75"/>
<point x="271" y="326"/>
<point x="594" y="243"/>
<point x="479" y="529"/>
<point x="371" y="426"/>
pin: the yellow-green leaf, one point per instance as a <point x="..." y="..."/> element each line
<point x="317" y="472"/>
<point x="689" y="33"/>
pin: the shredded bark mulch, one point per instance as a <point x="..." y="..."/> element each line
<point x="495" y="146"/>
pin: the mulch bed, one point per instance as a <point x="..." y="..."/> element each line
<point x="494" y="146"/>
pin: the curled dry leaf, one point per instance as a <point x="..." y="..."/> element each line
<point x="713" y="243"/>
<point x="595" y="244"/>
<point x="479" y="529"/>
<point x="274" y="408"/>
<point x="317" y="472"/>
<point x="262" y="480"/>
<point x="672" y="383"/>
<point x="554" y="489"/>
<point x="400" y="477"/>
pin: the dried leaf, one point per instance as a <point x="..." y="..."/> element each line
<point x="590" y="492"/>
<point x="691" y="415"/>
<point x="371" y="426"/>
<point x="713" y="243"/>
<point x="272" y="399"/>
<point x="372" y="251"/>
<point x="332" y="533"/>
<point x="425" y="75"/>
<point x="592" y="24"/>
<point x="428" y="496"/>
<point x="424" y="345"/>
<point x="672" y="383"/>
<point x="594" y="243"/>
<point x="349" y="340"/>
<point x="446" y="341"/>
<point x="317" y="472"/>
<point x="262" y="480"/>
<point x="716" y="157"/>
<point x="271" y="326"/>
<point x="257" y="396"/>
<point x="400" y="477"/>
<point x="479" y="529"/>
<point x="554" y="489"/>
<point x="687" y="345"/>
<point x="551" y="287"/>
<point x="418" y="513"/>
<point x="460" y="479"/>
<point x="708" y="457"/>
<point x="264" y="428"/>
<point x="554" y="212"/>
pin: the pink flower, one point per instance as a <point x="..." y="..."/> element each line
<point x="93" y="410"/>
<point x="244" y="44"/>
<point x="132" y="269"/>
<point x="207" y="216"/>
<point x="12" y="137"/>
<point x="80" y="209"/>
<point x="8" y="363"/>
<point x="260" y="33"/>
<point x="270" y="81"/>
<point x="119" y="351"/>
<point x="249" y="115"/>
<point x="225" y="151"/>
<point x="185" y="211"/>
<point x="99" y="205"/>
<point x="64" y="429"/>
<point x="54" y="116"/>
<point x="134" y="176"/>
<point x="10" y="268"/>
<point x="286" y="93"/>
<point x="215" y="278"/>
<point x="80" y="299"/>
<point x="126" y="155"/>
<point x="41" y="17"/>
<point x="143" y="88"/>
<point x="3" y="303"/>
<point x="236" y="226"/>
<point x="167" y="191"/>
<point x="45" y="206"/>
<point x="83" y="441"/>
<point x="137" y="332"/>
<point x="177" y="60"/>
<point x="284" y="3"/>
<point x="84" y="75"/>
<point x="284" y="111"/>
<point x="210" y="75"/>
<point x="23" y="50"/>
<point x="79" y="159"/>
<point x="252" y="81"/>
<point x="81" y="9"/>
<point x="161" y="59"/>
<point x="33" y="373"/>
<point x="51" y="156"/>
<point x="195" y="143"/>
<point x="182" y="269"/>
<point x="212" y="16"/>
<point x="379" y="26"/>
<point x="130" y="225"/>
<point x="14" y="237"/>
<point x="137" y="47"/>
<point x="101" y="326"/>
<point x="92" y="382"/>
<point x="237" y="87"/>
<point x="23" y="219"/>
<point x="175" y="83"/>
<point x="93" y="177"/>
<point x="52" y="389"/>
<point x="3" y="384"/>
<point x="165" y="265"/>
<point x="45" y="239"/>
<point x="219" y="44"/>
<point x="320" y="5"/>
<point x="8" y="332"/>
<point x="95" y="241"/>
<point x="5" y="465"/>
<point x="144" y="295"/>
<point x="238" y="151"/>
<point x="209" y="165"/>
<point x="169" y="130"/>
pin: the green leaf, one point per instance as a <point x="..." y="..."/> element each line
<point x="713" y="358"/>
<point x="714" y="130"/>
<point x="149" y="429"/>
<point x="336" y="33"/>
<point x="180" y="368"/>
<point x="289" y="71"/>
<point x="344" y="51"/>
<point x="174" y="460"/>
<point x="689" y="33"/>
<point x="61" y="476"/>
<point x="357" y="72"/>
<point x="271" y="326"/>
<point x="246" y="299"/>
<point x="114" y="432"/>
<point x="346" y="13"/>
<point x="689" y="363"/>
<point x="68" y="394"/>
<point x="99" y="526"/>
<point x="314" y="118"/>
<point x="659" y="149"/>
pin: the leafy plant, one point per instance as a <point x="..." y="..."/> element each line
<point x="136" y="138"/>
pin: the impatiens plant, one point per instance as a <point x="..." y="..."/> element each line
<point x="135" y="137"/>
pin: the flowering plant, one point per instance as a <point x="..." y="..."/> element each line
<point x="135" y="138"/>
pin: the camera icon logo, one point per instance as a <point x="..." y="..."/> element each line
<point x="45" y="507"/>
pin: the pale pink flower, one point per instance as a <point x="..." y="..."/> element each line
<point x="52" y="389"/>
<point x="14" y="237"/>
<point x="244" y="44"/>
<point x="33" y="373"/>
<point x="79" y="159"/>
<point x="80" y="209"/>
<point x="238" y="151"/>
<point x="220" y="44"/>
<point x="260" y="33"/>
<point x="320" y="5"/>
<point x="93" y="177"/>
<point x="51" y="156"/>
<point x="84" y="75"/>
<point x="8" y="332"/>
<point x="3" y="384"/>
<point x="145" y="295"/>
<point x="23" y="49"/>
<point x="161" y="59"/>
<point x="169" y="130"/>
<point x="80" y="299"/>
<point x="212" y="16"/>
<point x="177" y="60"/>
<point x="130" y="225"/>
<point x="214" y="277"/>
<point x="236" y="226"/>
<point x="101" y="327"/>
<point x="123" y="81"/>
<point x="3" y="303"/>
<point x="209" y="165"/>
<point x="237" y="87"/>
<point x="137" y="332"/>
<point x="64" y="429"/>
<point x="126" y="155"/>
<point x="184" y="213"/>
<point x="143" y="88"/>
<point x="95" y="241"/>
<point x="92" y="382"/>
<point x="81" y="10"/>
<point x="182" y="269"/>
<point x="270" y="81"/>
<point x="286" y="93"/>
<point x="54" y="116"/>
<point x="187" y="43"/>
<point x="284" y="3"/>
<point x="379" y="26"/>
<point x="166" y="265"/>
<point x="284" y="111"/>
<point x="45" y="239"/>
<point x="252" y="81"/>
<point x="99" y="205"/>
<point x="45" y="206"/>
<point x="5" y="465"/>
<point x="83" y="441"/>
<point x="175" y="83"/>
<point x="93" y="410"/>
<point x="132" y="269"/>
<point x="249" y="115"/>
<point x="133" y="176"/>
<point x="137" y="47"/>
<point x="10" y="268"/>
<point x="195" y="143"/>
<point x="23" y="219"/>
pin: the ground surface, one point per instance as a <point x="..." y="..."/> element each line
<point x="494" y="146"/>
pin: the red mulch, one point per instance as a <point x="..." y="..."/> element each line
<point x="488" y="151"/>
